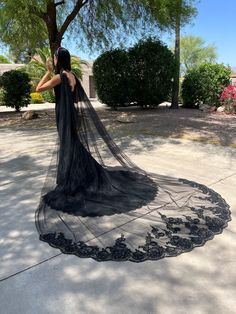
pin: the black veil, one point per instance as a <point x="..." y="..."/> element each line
<point x="97" y="203"/>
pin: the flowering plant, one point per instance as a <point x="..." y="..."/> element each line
<point x="36" y="98"/>
<point x="228" y="98"/>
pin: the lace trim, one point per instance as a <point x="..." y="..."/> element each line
<point x="152" y="250"/>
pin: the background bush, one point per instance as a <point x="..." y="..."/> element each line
<point x="204" y="84"/>
<point x="1" y="95"/>
<point x="111" y="74"/>
<point x="140" y="76"/>
<point x="151" y="68"/>
<point x="16" y="89"/>
<point x="48" y="96"/>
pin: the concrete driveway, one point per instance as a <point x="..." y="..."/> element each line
<point x="37" y="279"/>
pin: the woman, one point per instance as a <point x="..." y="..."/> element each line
<point x="63" y="66"/>
<point x="97" y="203"/>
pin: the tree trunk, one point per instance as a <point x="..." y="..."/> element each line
<point x="50" y="18"/>
<point x="51" y="22"/>
<point x="55" y="36"/>
<point x="175" y="89"/>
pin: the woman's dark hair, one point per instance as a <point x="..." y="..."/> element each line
<point x="63" y="60"/>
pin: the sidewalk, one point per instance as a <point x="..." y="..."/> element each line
<point x="46" y="105"/>
<point x="37" y="279"/>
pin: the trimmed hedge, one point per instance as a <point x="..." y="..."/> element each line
<point x="1" y="94"/>
<point x="111" y="73"/>
<point x="16" y="89"/>
<point x="140" y="76"/>
<point x="204" y="84"/>
<point x="151" y="72"/>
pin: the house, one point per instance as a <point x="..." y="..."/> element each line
<point x="87" y="81"/>
<point x="233" y="79"/>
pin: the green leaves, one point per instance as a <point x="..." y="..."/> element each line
<point x="142" y="75"/>
<point x="110" y="72"/>
<point x="205" y="83"/>
<point x="19" y="28"/>
<point x="16" y="89"/>
<point x="37" y="67"/>
<point x="166" y="12"/>
<point x="76" y="67"/>
<point x="194" y="52"/>
<point x="28" y="24"/>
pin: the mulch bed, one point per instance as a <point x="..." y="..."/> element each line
<point x="192" y="124"/>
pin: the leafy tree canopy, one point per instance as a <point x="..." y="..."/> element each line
<point x="19" y="29"/>
<point x="29" y="24"/>
<point x="95" y="24"/>
<point x="194" y="52"/>
<point x="166" y="12"/>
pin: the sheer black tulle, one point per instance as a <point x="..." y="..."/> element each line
<point x="97" y="203"/>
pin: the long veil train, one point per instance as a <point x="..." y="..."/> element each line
<point x="97" y="203"/>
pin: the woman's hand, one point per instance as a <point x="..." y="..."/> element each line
<point x="48" y="81"/>
<point x="49" y="65"/>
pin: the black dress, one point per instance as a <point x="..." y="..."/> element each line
<point x="97" y="203"/>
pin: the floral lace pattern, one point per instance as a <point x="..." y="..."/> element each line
<point x="200" y="225"/>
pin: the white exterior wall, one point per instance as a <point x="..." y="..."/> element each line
<point x="87" y="69"/>
<point x="233" y="81"/>
<point x="8" y="67"/>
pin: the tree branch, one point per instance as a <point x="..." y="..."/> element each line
<point x="59" y="3"/>
<point x="84" y="2"/>
<point x="79" y="4"/>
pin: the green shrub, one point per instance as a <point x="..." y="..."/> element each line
<point x="110" y="72"/>
<point x="48" y="96"/>
<point x="36" y="98"/>
<point x="151" y="71"/>
<point x="1" y="96"/>
<point x="140" y="76"/>
<point x="204" y="84"/>
<point x="16" y="89"/>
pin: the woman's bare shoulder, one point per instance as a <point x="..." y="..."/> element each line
<point x="71" y="78"/>
<point x="57" y="77"/>
<point x="56" y="80"/>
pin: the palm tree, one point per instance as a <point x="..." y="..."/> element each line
<point x="38" y="65"/>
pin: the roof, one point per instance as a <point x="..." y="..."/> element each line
<point x="4" y="67"/>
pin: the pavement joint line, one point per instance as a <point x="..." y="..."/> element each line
<point x="222" y="179"/>
<point x="32" y="266"/>
<point x="227" y="229"/>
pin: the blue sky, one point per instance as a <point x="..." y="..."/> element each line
<point x="215" y="23"/>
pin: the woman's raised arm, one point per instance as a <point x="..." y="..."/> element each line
<point x="47" y="83"/>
